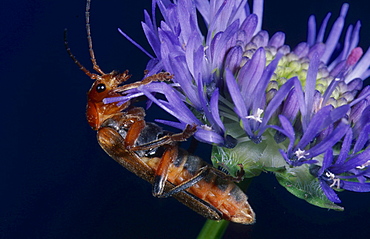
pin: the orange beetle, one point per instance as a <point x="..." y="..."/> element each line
<point x="153" y="154"/>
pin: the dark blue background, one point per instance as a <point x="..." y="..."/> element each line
<point x="56" y="182"/>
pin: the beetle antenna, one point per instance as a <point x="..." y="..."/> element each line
<point x="89" y="40"/>
<point x="87" y="72"/>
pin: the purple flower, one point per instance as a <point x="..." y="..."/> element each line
<point x="348" y="168"/>
<point x="322" y="121"/>
<point x="300" y="111"/>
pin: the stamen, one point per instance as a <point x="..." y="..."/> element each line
<point x="206" y="127"/>
<point x="256" y="116"/>
<point x="301" y="154"/>
<point x="336" y="181"/>
<point x="364" y="165"/>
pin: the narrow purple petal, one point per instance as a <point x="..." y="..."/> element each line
<point x="355" y="37"/>
<point x="291" y="105"/>
<point x="176" y="125"/>
<point x="328" y="160"/>
<point x="249" y="26"/>
<point x="138" y="45"/>
<point x="356" y="186"/>
<point x="301" y="49"/>
<point x="209" y="137"/>
<point x="238" y="11"/>
<point x="336" y="114"/>
<point x="329" y="192"/>
<point x="205" y="107"/>
<point x="320" y="35"/>
<point x="233" y="58"/>
<point x="277" y="40"/>
<point x="215" y="110"/>
<point x="276" y="103"/>
<point x="220" y="20"/>
<point x="122" y="99"/>
<point x="222" y="45"/>
<point x="182" y="76"/>
<point x="329" y="90"/>
<point x="235" y="94"/>
<point x="362" y="97"/>
<point x="314" y="126"/>
<point x="194" y="54"/>
<point x="258" y="10"/>
<point x="357" y="160"/>
<point x="187" y="20"/>
<point x="211" y="51"/>
<point x="318" y="48"/>
<point x="153" y="20"/>
<point x="261" y="39"/>
<point x="311" y="31"/>
<point x="334" y="35"/>
<point x="346" y="146"/>
<point x="174" y="106"/>
<point x="288" y="130"/>
<point x="311" y="84"/>
<point x="342" y="56"/>
<point x="362" y="139"/>
<point x="202" y="135"/>
<point x="204" y="9"/>
<point x="329" y="141"/>
<point x="263" y="82"/>
<point x="301" y="102"/>
<point x="251" y="73"/>
<point x="363" y="120"/>
<point x="237" y="98"/>
<point x="285" y="156"/>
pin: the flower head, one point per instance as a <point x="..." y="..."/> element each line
<point x="338" y="171"/>
<point x="299" y="113"/>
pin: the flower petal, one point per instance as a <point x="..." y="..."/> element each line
<point x="329" y="192"/>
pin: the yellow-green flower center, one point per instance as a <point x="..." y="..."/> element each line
<point x="290" y="65"/>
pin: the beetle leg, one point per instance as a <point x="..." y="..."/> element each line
<point x="167" y="139"/>
<point x="111" y="141"/>
<point x="239" y="174"/>
<point x="133" y="133"/>
<point x="162" y="76"/>
<point x="168" y="156"/>
<point x="161" y="172"/>
<point x="203" y="172"/>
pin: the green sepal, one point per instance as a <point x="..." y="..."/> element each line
<point x="265" y="156"/>
<point x="299" y="182"/>
<point x="255" y="158"/>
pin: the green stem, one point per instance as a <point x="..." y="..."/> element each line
<point x="213" y="229"/>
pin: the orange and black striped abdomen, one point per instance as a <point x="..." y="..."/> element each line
<point x="213" y="196"/>
<point x="111" y="141"/>
<point x="222" y="194"/>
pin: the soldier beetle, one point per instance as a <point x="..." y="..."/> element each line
<point x="153" y="154"/>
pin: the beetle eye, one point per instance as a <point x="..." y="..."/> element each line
<point x="100" y="88"/>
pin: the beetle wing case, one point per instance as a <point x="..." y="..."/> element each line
<point x="112" y="143"/>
